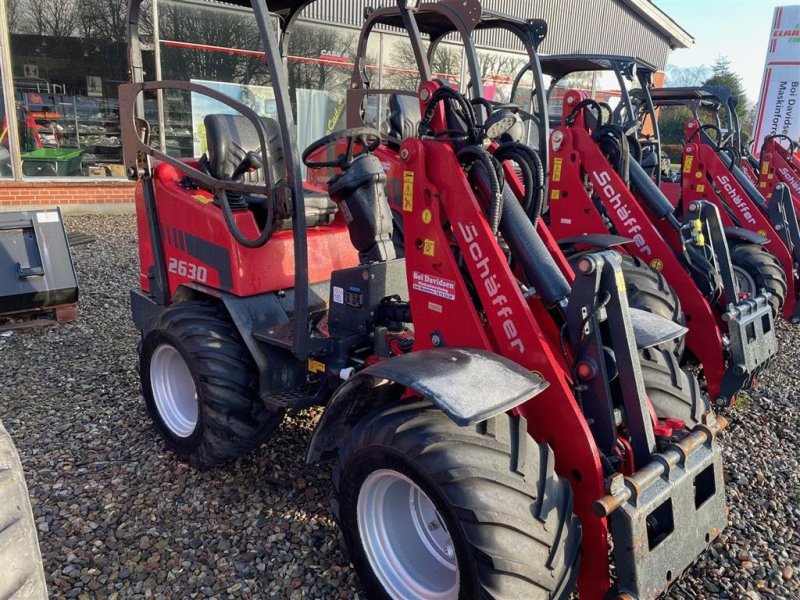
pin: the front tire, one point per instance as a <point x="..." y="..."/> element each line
<point x="648" y="290"/>
<point x="431" y="510"/>
<point x="22" y="573"/>
<point x="755" y="269"/>
<point x="673" y="392"/>
<point x="200" y="385"/>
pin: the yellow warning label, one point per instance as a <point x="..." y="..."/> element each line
<point x="621" y="282"/>
<point x="408" y="191"/>
<point x="701" y="188"/>
<point x="763" y="184"/>
<point x="429" y="248"/>
<point x="557" y="168"/>
<point x="657" y="264"/>
<point x="770" y="176"/>
<point x="698" y="175"/>
<point x="427" y="215"/>
<point x="762" y="232"/>
<point x="687" y="164"/>
<point x="765" y="168"/>
<point x="555" y="194"/>
<point x="203" y="198"/>
<point x="314" y="366"/>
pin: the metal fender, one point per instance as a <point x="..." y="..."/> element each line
<point x="466" y="384"/>
<point x="602" y="241"/>
<point x="745" y="235"/>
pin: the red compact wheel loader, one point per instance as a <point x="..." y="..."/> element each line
<point x="712" y="170"/>
<point x="588" y="158"/>
<point x="488" y="422"/>
<point x="778" y="162"/>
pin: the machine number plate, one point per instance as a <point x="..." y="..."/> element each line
<point x="187" y="269"/>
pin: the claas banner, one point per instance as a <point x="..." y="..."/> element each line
<point x="778" y="111"/>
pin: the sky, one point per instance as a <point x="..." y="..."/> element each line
<point x="738" y="29"/>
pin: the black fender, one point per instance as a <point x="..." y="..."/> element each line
<point x="277" y="368"/>
<point x="601" y="241"/>
<point x="466" y="384"/>
<point x="740" y="234"/>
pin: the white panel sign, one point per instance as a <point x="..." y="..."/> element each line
<point x="778" y="110"/>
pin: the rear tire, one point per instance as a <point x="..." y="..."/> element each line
<point x="673" y="392"/>
<point x="754" y="265"/>
<point x="503" y="524"/>
<point x="21" y="560"/>
<point x="200" y="385"/>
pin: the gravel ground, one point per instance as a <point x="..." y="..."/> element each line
<point x="119" y="516"/>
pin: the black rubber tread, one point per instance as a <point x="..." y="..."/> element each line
<point x="648" y="290"/>
<point x="22" y="575"/>
<point x="232" y="418"/>
<point x="764" y="268"/>
<point x="674" y="393"/>
<point x="509" y="514"/>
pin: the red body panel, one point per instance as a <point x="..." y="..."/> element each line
<point x="201" y="245"/>
<point x="705" y="177"/>
<point x="573" y="213"/>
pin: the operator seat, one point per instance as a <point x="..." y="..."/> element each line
<point x="404" y="116"/>
<point x="230" y="137"/>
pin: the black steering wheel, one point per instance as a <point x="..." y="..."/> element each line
<point x="368" y="137"/>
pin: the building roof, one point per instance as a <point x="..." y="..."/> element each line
<point x="677" y="35"/>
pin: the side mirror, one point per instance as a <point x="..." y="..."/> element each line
<point x="251" y="162"/>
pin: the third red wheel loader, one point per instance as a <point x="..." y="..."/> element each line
<point x="712" y="170"/>
<point x="488" y="423"/>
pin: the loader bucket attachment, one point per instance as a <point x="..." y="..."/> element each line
<point x="36" y="271"/>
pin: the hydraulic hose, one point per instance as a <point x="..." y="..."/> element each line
<point x="526" y="157"/>
<point x="470" y="154"/>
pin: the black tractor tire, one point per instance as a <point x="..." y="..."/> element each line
<point x="648" y="290"/>
<point x="509" y="516"/>
<point x="230" y="419"/>
<point x="673" y="392"/>
<point x="20" y="559"/>
<point x="761" y="268"/>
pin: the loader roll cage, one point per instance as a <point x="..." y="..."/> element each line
<point x="625" y="68"/>
<point x="437" y="21"/>
<point x="274" y="19"/>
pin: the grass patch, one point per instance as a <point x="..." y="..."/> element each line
<point x="742" y="402"/>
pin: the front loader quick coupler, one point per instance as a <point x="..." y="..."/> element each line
<point x="667" y="512"/>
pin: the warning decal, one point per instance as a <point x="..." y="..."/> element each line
<point x="434" y="285"/>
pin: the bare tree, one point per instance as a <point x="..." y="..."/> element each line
<point x="52" y="18"/>
<point x="103" y="19"/>
<point x="686" y="76"/>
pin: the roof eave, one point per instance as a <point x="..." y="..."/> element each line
<point x="677" y="36"/>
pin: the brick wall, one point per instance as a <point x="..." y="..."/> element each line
<point x="64" y="193"/>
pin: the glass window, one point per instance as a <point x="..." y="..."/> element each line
<point x="399" y="64"/>
<point x="68" y="58"/>
<point x="5" y="154"/>
<point x="215" y="46"/>
<point x="498" y="70"/>
<point x="319" y="66"/>
<point x="601" y="86"/>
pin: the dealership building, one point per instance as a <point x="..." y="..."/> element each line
<point x="62" y="61"/>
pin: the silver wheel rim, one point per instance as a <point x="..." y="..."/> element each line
<point x="747" y="285"/>
<point x="173" y="390"/>
<point x="405" y="539"/>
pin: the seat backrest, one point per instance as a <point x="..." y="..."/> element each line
<point x="404" y="116"/>
<point x="231" y="137"/>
